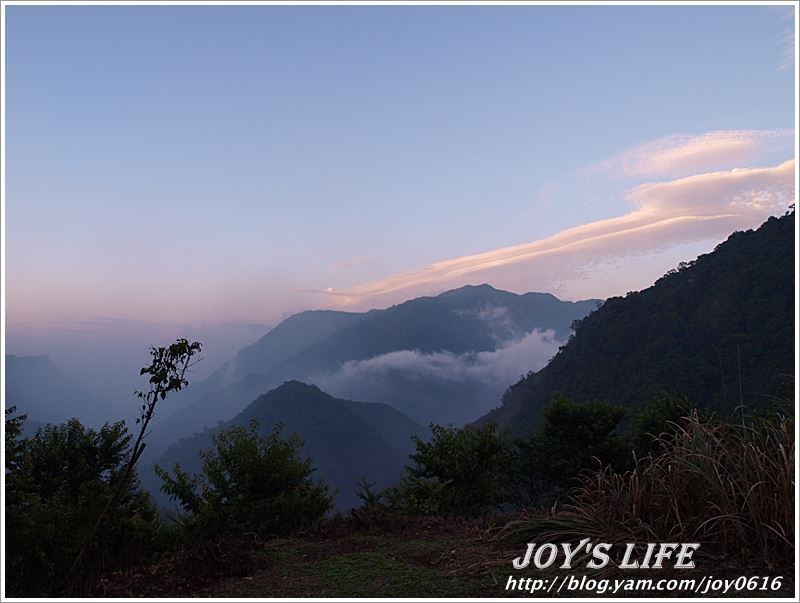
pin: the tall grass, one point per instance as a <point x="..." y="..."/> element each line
<point x="728" y="486"/>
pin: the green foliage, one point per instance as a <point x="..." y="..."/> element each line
<point x="74" y="507"/>
<point x="57" y="482"/>
<point x="472" y="471"/>
<point x="369" y="496"/>
<point x="659" y="416"/>
<point x="574" y="433"/>
<point x="167" y="371"/>
<point x="346" y="439"/>
<point x="572" y="438"/>
<point x="719" y="330"/>
<point x="458" y="472"/>
<point x="15" y="445"/>
<point x="249" y="482"/>
<point x="167" y="374"/>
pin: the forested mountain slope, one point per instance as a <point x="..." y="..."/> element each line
<point x="347" y="440"/>
<point x="718" y="330"/>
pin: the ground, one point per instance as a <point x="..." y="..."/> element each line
<point x="434" y="557"/>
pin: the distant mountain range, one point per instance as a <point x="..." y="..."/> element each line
<point x="718" y="330"/>
<point x="37" y="388"/>
<point x="347" y="440"/>
<point x="443" y="358"/>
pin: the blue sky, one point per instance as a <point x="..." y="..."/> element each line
<point x="242" y="163"/>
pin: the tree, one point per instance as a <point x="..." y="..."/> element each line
<point x="572" y="436"/>
<point x="57" y="482"/>
<point x="167" y="372"/>
<point x="249" y="482"/>
<point x="655" y="418"/>
<point x="459" y="471"/>
<point x="15" y="444"/>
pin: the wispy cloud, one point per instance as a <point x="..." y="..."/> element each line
<point x="692" y="208"/>
<point x="683" y="154"/>
<point x="739" y="190"/>
<point x="787" y="40"/>
<point x="787" y="43"/>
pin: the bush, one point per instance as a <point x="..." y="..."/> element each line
<point x="459" y="472"/>
<point x="249" y="482"/>
<point x="57" y="482"/>
<point x="656" y="418"/>
<point x="572" y="436"/>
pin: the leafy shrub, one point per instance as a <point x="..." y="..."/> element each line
<point x="571" y="437"/>
<point x="656" y="418"/>
<point x="371" y="499"/>
<point x="57" y="482"/>
<point x="249" y="482"/>
<point x="458" y="472"/>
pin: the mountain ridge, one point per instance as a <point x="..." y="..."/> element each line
<point x="468" y="319"/>
<point x="719" y="330"/>
<point x="347" y="440"/>
<point x="39" y="389"/>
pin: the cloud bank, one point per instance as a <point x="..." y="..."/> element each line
<point x="441" y="386"/>
<point x="502" y="366"/>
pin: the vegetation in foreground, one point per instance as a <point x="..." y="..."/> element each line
<point x="256" y="523"/>
<point x="249" y="483"/>
<point x="728" y="486"/>
<point x="409" y="556"/>
<point x="718" y="329"/>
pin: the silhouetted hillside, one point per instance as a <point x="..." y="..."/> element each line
<point x="37" y="388"/>
<point x="330" y="349"/>
<point x="347" y="440"/>
<point x="287" y="339"/>
<point x="719" y="330"/>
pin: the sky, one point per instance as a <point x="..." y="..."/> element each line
<point x="230" y="166"/>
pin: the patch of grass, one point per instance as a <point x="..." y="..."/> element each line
<point x="426" y="551"/>
<point x="380" y="574"/>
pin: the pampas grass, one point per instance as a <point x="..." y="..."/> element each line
<point x="728" y="486"/>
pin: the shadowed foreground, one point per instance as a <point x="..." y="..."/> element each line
<point x="433" y="557"/>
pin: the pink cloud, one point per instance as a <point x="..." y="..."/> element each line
<point x="683" y="154"/>
<point x="693" y="208"/>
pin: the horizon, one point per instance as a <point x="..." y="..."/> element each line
<point x="222" y="342"/>
<point x="475" y="167"/>
<point x="314" y="158"/>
